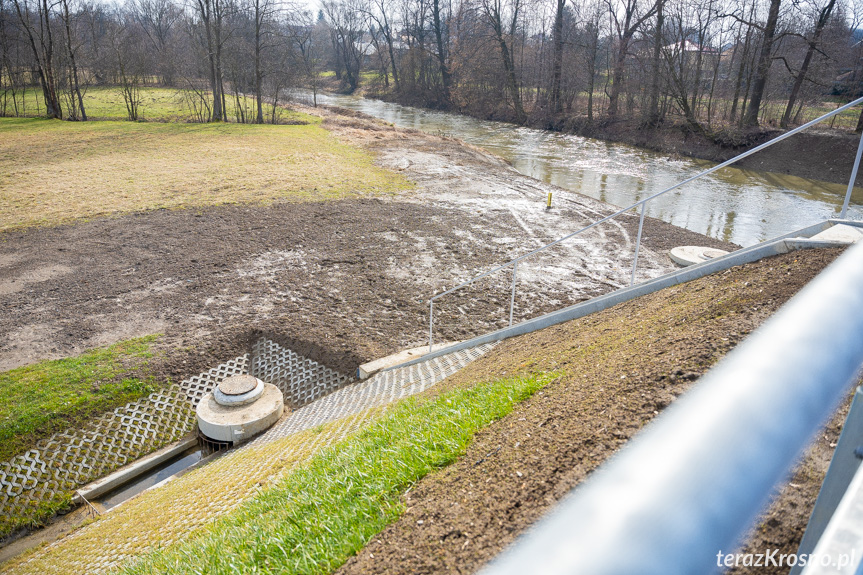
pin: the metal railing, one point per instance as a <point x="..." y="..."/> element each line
<point x="642" y="204"/>
<point x="679" y="496"/>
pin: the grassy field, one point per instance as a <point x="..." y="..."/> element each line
<point x="326" y="510"/>
<point x="847" y="120"/>
<point x="50" y="396"/>
<point x="56" y="172"/>
<point x="157" y="105"/>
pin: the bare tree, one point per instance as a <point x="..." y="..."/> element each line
<point x="11" y="64"/>
<point x="557" y="59"/>
<point x="627" y="20"/>
<point x="158" y="20"/>
<point x="74" y="83"/>
<point x="652" y="117"/>
<point x="127" y="46"/>
<point x="309" y="39"/>
<point x="442" y="40"/>
<point x="503" y="19"/>
<point x="763" y="68"/>
<point x="210" y="14"/>
<point x="347" y="31"/>
<point x="263" y="13"/>
<point x="820" y="22"/>
<point x="591" y="54"/>
<point x="35" y="18"/>
<point x="378" y="12"/>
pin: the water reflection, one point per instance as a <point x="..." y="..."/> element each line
<point x="736" y="205"/>
<point x="162" y="472"/>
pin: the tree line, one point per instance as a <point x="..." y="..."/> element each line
<point x="213" y="50"/>
<point x="707" y="64"/>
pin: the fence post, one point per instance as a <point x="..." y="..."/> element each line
<point x="853" y="177"/>
<point x="431" y="320"/>
<point x="638" y="242"/>
<point x="841" y="472"/>
<point x="512" y="296"/>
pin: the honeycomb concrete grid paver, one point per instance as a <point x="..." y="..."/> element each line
<point x="171" y="512"/>
<point x="72" y="458"/>
<point x="380" y="389"/>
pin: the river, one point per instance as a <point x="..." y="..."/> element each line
<point x="735" y="205"/>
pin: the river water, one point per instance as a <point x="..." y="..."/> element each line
<point x="735" y="205"/>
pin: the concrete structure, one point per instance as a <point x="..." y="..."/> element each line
<point x="241" y="407"/>
<point x="133" y="470"/>
<point x="368" y="369"/>
<point x="690" y="255"/>
<point x="840" y="233"/>
<point x="248" y="391"/>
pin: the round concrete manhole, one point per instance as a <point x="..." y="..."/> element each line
<point x="238" y="384"/>
<point x="689" y="255"/>
<point x="239" y="422"/>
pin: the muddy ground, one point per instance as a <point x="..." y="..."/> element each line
<point x="344" y="281"/>
<point x="619" y="369"/>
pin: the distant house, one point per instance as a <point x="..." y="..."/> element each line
<point x="688" y="46"/>
<point x="686" y="54"/>
<point x="849" y="82"/>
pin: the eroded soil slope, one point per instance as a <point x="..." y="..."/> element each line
<point x="619" y="368"/>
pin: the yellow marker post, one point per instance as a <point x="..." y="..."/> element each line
<point x="548" y="205"/>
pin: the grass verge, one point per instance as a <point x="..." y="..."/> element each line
<point x="55" y="172"/>
<point x="322" y="513"/>
<point x="50" y="396"/>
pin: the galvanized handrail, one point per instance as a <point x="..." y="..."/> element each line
<point x="679" y="496"/>
<point x="643" y="203"/>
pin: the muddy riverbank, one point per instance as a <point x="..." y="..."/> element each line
<point x="817" y="154"/>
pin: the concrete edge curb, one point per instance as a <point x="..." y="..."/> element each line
<point x="370" y="368"/>
<point x="133" y="470"/>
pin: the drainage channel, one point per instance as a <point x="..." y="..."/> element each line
<point x="238" y="408"/>
<point x="185" y="460"/>
<point x="317" y="397"/>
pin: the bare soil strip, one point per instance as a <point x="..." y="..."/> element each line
<point x="621" y="367"/>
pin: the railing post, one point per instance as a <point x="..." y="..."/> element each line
<point x="638" y="242"/>
<point x="431" y="320"/>
<point x="853" y="177"/>
<point x="512" y="296"/>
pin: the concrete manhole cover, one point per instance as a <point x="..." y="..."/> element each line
<point x="688" y="255"/>
<point x="238" y="384"/>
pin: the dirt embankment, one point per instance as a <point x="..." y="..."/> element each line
<point x="620" y="368"/>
